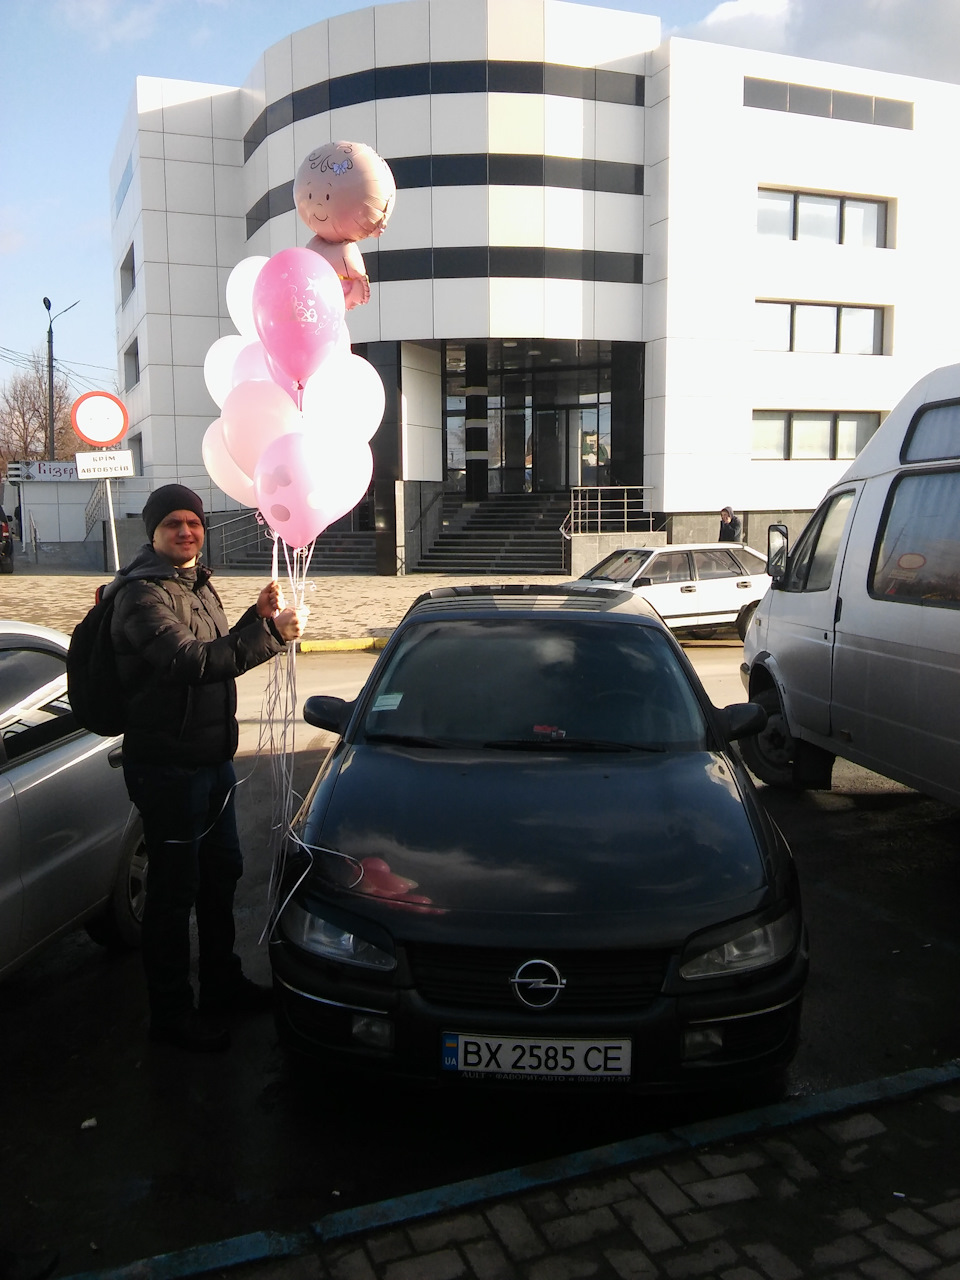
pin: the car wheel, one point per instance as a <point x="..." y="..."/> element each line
<point x="769" y="754"/>
<point x="6" y="564"/>
<point x="118" y="925"/>
<point x="745" y="618"/>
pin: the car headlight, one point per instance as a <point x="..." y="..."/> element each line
<point x="325" y="938"/>
<point x="713" y="956"/>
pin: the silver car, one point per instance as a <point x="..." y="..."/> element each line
<point x="71" y="845"/>
<point x="696" y="585"/>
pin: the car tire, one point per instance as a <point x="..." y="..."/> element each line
<point x="118" y="925"/>
<point x="745" y="618"/>
<point x="770" y="753"/>
<point x="6" y="564"/>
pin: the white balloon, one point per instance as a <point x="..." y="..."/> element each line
<point x="239" y="294"/>
<point x="222" y="469"/>
<point x="218" y="366"/>
<point x="345" y="396"/>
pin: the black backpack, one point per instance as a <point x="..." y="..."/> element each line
<point x="93" y="683"/>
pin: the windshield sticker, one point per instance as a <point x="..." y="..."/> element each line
<point x="388" y="702"/>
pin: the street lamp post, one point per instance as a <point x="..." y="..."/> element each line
<point x="51" y="442"/>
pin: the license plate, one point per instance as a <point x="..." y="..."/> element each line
<point x="517" y="1057"/>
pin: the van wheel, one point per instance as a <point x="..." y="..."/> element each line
<point x="118" y="925"/>
<point x="745" y="618"/>
<point x="769" y="753"/>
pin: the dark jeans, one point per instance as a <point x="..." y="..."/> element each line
<point x="190" y="830"/>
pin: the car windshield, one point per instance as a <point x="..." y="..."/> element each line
<point x="535" y="684"/>
<point x="621" y="566"/>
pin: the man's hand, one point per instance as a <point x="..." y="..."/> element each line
<point x="290" y="623"/>
<point x="269" y="602"/>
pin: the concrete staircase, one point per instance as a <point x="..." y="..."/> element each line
<point x="346" y="553"/>
<point x="506" y="534"/>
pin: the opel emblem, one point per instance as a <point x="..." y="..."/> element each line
<point x="537" y="983"/>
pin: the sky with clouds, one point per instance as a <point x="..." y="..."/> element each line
<point x="69" y="73"/>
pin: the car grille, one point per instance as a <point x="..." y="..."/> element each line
<point x="479" y="977"/>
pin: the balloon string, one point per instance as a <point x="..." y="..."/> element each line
<point x="278" y="721"/>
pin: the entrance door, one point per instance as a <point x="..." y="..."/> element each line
<point x="549" y="450"/>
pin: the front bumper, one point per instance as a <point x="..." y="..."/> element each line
<point x="722" y="1037"/>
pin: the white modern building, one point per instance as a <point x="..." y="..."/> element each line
<point x="698" y="271"/>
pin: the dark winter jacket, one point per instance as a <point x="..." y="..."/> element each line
<point x="178" y="660"/>
<point x="730" y="532"/>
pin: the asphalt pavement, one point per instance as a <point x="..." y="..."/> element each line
<point x="852" y="1183"/>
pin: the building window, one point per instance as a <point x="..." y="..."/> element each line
<point x="801" y="215"/>
<point x="832" y="104"/>
<point x="131" y="365"/>
<point x="796" y="434"/>
<point x="128" y="277"/>
<point x="818" y="327"/>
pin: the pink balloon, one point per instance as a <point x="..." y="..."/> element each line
<point x="298" y="310"/>
<point x="254" y="414"/>
<point x="253" y="364"/>
<point x="222" y="469"/>
<point x="304" y="483"/>
<point x="345" y="396"/>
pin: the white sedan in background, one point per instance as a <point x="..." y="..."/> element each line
<point x="696" y="585"/>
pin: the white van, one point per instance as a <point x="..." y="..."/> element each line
<point x="855" y="649"/>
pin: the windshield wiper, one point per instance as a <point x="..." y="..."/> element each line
<point x="566" y="744"/>
<point x="403" y="739"/>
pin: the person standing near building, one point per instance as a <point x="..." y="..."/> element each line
<point x="730" y="526"/>
<point x="177" y="660"/>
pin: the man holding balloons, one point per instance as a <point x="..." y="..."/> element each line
<point x="178" y="659"/>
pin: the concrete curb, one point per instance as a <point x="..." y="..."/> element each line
<point x="362" y="645"/>
<point x="264" y="1246"/>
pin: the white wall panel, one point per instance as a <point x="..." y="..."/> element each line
<point x="459" y="124"/>
<point x="568" y="218"/>
<point x="352" y="46"/>
<point x="516" y="123"/>
<point x="310" y="56"/>
<point x="461" y="308"/>
<point x="459" y="216"/>
<point x="458" y="30"/>
<point x="406" y="309"/>
<point x="193" y="291"/>
<point x="515" y="30"/>
<point x="569" y="125"/>
<point x="402" y="33"/>
<point x="516" y="215"/>
<point x="517" y="308"/>
<point x="191" y="238"/>
<point x="403" y="127"/>
<point x="189" y="187"/>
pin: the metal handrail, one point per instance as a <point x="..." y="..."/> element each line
<point x="96" y="506"/>
<point x="608" y="509"/>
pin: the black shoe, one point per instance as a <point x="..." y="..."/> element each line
<point x="243" y="995"/>
<point x="191" y="1031"/>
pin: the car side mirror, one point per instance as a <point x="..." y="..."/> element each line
<point x="643" y="582"/>
<point x="742" y="720"/>
<point x="778" y="548"/>
<point x="326" y="712"/>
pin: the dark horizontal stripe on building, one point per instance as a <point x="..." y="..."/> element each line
<point x="832" y="104"/>
<point x="593" y="84"/>
<point x="479" y="262"/>
<point x="478" y="169"/>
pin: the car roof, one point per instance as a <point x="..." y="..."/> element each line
<point x="32" y="631"/>
<point x="686" y="546"/>
<point x="529" y="598"/>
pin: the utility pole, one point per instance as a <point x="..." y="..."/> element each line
<point x="51" y="440"/>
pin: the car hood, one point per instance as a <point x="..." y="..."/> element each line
<point x="433" y="832"/>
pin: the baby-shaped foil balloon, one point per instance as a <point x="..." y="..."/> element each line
<point x="344" y="192"/>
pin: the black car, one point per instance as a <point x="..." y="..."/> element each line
<point x="532" y="855"/>
<point x="6" y="544"/>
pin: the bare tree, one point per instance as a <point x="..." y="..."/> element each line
<point x="23" y="414"/>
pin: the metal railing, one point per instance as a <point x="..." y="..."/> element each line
<point x="96" y="508"/>
<point x="242" y="535"/>
<point x="608" y="509"/>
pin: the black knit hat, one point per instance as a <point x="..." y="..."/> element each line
<point x="170" y="497"/>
